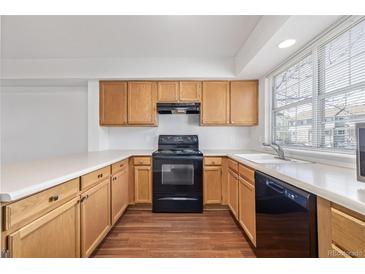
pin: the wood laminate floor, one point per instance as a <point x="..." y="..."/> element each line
<point x="143" y="234"/>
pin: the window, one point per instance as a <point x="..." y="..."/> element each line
<point x="292" y="101"/>
<point x="318" y="99"/>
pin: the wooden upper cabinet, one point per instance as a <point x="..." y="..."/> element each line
<point x="215" y="103"/>
<point x="168" y="92"/>
<point x="113" y="103"/>
<point x="142" y="97"/>
<point x="244" y="103"/>
<point x="190" y="91"/>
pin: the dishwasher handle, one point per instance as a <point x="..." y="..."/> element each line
<point x="276" y="187"/>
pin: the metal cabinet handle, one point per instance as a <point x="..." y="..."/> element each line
<point x="84" y="198"/>
<point x="100" y="175"/>
<point x="53" y="198"/>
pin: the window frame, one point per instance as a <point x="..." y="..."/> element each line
<point x="318" y="97"/>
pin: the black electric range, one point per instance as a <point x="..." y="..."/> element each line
<point x="177" y="174"/>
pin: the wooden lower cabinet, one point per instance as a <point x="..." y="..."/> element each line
<point x="341" y="232"/>
<point x="54" y="235"/>
<point x="233" y="192"/>
<point x="212" y="184"/>
<point x="95" y="216"/>
<point x="119" y="193"/>
<point x="247" y="211"/>
<point x="142" y="184"/>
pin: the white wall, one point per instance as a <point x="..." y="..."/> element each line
<point x="258" y="134"/>
<point x="209" y="137"/>
<point x="39" y="122"/>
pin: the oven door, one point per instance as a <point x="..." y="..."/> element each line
<point x="177" y="174"/>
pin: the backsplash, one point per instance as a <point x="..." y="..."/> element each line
<point x="209" y="137"/>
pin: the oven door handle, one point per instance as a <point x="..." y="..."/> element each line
<point x="178" y="157"/>
<point x="177" y="199"/>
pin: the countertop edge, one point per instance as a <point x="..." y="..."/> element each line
<point x="13" y="196"/>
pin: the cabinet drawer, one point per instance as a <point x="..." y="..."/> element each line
<point x="233" y="165"/>
<point x="142" y="161"/>
<point x="92" y="178"/>
<point x="212" y="161"/>
<point x="247" y="173"/>
<point x="119" y="166"/>
<point x="348" y="233"/>
<point x="30" y="208"/>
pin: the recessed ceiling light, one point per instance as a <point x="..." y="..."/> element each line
<point x="287" y="43"/>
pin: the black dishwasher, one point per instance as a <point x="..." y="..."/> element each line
<point x="286" y="219"/>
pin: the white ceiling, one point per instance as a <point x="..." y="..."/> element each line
<point x="151" y="47"/>
<point x="124" y="36"/>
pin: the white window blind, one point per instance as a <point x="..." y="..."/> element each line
<point x="318" y="99"/>
<point x="292" y="101"/>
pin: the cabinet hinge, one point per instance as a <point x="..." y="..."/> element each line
<point x="5" y="253"/>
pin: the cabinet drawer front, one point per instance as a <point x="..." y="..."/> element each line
<point x="119" y="166"/>
<point x="28" y="209"/>
<point x="233" y="165"/>
<point x="212" y="161"/>
<point x="247" y="173"/>
<point x="348" y="233"/>
<point x="92" y="178"/>
<point x="142" y="161"/>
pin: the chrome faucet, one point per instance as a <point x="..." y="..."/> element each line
<point x="278" y="149"/>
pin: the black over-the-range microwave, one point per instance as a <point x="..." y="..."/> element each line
<point x="360" y="155"/>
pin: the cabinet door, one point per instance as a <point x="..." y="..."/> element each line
<point x="143" y="184"/>
<point x="113" y="103"/>
<point x="168" y="92"/>
<point x="215" y="104"/>
<point x="244" y="103"/>
<point x="54" y="235"/>
<point x="95" y="216"/>
<point x="247" y="210"/>
<point x="119" y="193"/>
<point x="190" y="91"/>
<point x="212" y="185"/>
<point x="233" y="192"/>
<point x="142" y="97"/>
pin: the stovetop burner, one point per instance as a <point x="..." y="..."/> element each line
<point x="178" y="145"/>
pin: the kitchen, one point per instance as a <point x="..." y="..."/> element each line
<point x="158" y="146"/>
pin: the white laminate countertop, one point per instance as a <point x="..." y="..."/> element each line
<point x="25" y="178"/>
<point x="336" y="184"/>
